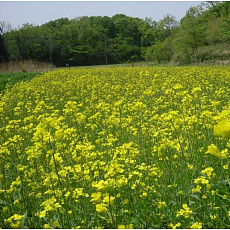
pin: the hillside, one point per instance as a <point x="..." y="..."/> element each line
<point x="201" y="36"/>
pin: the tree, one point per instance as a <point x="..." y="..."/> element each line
<point x="161" y="51"/>
<point x="79" y="55"/>
<point x="213" y="33"/>
<point x="4" y="28"/>
<point x="167" y="25"/>
<point x="190" y="35"/>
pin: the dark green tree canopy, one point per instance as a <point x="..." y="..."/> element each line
<point x="202" y="34"/>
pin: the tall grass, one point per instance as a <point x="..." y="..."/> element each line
<point x="26" y="66"/>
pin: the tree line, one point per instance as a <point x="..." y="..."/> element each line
<point x="202" y="35"/>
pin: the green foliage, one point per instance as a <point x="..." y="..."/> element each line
<point x="161" y="51"/>
<point x="9" y="79"/>
<point x="201" y="29"/>
<point x="100" y="40"/>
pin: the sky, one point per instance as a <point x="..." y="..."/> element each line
<point x="40" y="12"/>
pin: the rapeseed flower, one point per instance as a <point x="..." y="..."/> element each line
<point x="213" y="150"/>
<point x="208" y="171"/>
<point x="128" y="226"/>
<point x="56" y="223"/>
<point x="96" y="197"/>
<point x="222" y="128"/>
<point x="185" y="212"/>
<point x="47" y="226"/>
<point x="196" y="225"/>
<point x="15" y="220"/>
<point x="83" y="140"/>
<point x="174" y="226"/>
<point x="108" y="200"/>
<point x="101" y="208"/>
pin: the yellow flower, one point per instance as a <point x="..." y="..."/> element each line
<point x="59" y="134"/>
<point x="225" y="166"/>
<point x="4" y="209"/>
<point x="15" y="225"/>
<point x="96" y="197"/>
<point x="201" y="180"/>
<point x="16" y="201"/>
<point x="197" y="225"/>
<point x="208" y="171"/>
<point x="213" y="217"/>
<point x="190" y="166"/>
<point x="161" y="204"/>
<point x="16" y="218"/>
<point x="42" y="214"/>
<point x="56" y="223"/>
<point x="144" y="194"/>
<point x="222" y="128"/>
<point x="197" y="189"/>
<point x="174" y="226"/>
<point x="109" y="199"/>
<point x="185" y="212"/>
<point x="128" y="226"/>
<point x="46" y="226"/>
<point x="212" y="149"/>
<point x="101" y="208"/>
<point x="100" y="185"/>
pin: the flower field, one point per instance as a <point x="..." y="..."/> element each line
<point x="117" y="148"/>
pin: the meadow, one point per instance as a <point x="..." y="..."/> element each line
<point x="122" y="147"/>
<point x="10" y="79"/>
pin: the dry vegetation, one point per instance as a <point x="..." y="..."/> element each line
<point x="26" y="66"/>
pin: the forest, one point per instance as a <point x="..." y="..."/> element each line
<point x="201" y="36"/>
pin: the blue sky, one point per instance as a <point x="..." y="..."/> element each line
<point x="39" y="12"/>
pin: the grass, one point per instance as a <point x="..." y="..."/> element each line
<point x="125" y="64"/>
<point x="25" y="66"/>
<point x="10" y="79"/>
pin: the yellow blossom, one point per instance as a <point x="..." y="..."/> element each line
<point x="4" y="209"/>
<point x="47" y="226"/>
<point x="128" y="226"/>
<point x="222" y="128"/>
<point x="96" y="197"/>
<point x="55" y="223"/>
<point x="212" y="149"/>
<point x="185" y="212"/>
<point x="101" y="208"/>
<point x="108" y="200"/>
<point x="174" y="226"/>
<point x="225" y="166"/>
<point x="197" y="189"/>
<point x="208" y="171"/>
<point x="196" y="225"/>
<point x="190" y="166"/>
